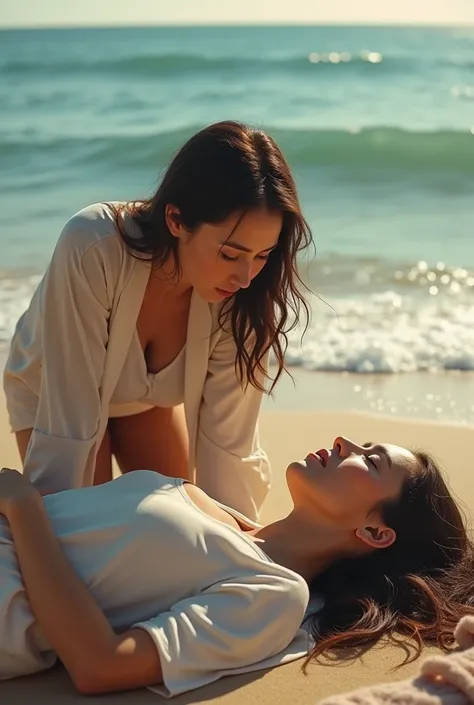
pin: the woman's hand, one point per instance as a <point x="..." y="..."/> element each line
<point x="15" y="489"/>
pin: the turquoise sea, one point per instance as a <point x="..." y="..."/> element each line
<point x="377" y="124"/>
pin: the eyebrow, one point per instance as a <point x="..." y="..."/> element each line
<point x="383" y="451"/>
<point x="241" y="248"/>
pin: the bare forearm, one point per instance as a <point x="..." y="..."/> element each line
<point x="97" y="659"/>
<point x="70" y="618"/>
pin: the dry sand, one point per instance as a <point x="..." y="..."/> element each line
<point x="285" y="436"/>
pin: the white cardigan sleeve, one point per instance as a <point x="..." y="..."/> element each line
<point x="232" y="627"/>
<point x="75" y="307"/>
<point x="230" y="464"/>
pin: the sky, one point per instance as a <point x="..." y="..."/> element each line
<point x="52" y="13"/>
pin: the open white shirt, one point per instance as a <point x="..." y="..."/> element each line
<point x="69" y="359"/>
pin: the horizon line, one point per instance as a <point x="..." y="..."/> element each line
<point x="243" y="24"/>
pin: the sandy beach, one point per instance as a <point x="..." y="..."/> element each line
<point x="286" y="435"/>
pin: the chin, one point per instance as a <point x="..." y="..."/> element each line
<point x="296" y="466"/>
<point x="210" y="295"/>
<point x="214" y="298"/>
<point x="300" y="463"/>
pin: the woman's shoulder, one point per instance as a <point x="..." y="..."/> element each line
<point x="92" y="225"/>
<point x="90" y="242"/>
<point x="276" y="583"/>
<point x="277" y="594"/>
<point x="290" y="584"/>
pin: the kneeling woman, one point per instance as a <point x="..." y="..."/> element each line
<point x="147" y="581"/>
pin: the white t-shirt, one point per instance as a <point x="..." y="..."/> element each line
<point x="212" y="601"/>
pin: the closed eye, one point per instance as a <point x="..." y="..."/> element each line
<point x="371" y="460"/>
<point x="229" y="258"/>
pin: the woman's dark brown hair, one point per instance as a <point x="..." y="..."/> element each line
<point x="406" y="590"/>
<point x="225" y="169"/>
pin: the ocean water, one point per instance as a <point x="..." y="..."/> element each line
<point x="378" y="127"/>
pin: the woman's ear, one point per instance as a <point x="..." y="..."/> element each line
<point x="376" y="536"/>
<point x="173" y="220"/>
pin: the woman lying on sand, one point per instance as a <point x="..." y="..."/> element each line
<point x="146" y="580"/>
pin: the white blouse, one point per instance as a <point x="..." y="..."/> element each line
<point x="212" y="601"/>
<point x="138" y="390"/>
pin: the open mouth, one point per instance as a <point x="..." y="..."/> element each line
<point x="323" y="456"/>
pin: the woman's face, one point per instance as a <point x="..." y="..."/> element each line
<point x="219" y="259"/>
<point x="344" y="484"/>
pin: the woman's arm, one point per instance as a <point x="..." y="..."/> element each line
<point x="97" y="659"/>
<point x="74" y="300"/>
<point x="231" y="466"/>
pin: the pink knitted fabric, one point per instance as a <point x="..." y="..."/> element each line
<point x="464" y="632"/>
<point x="443" y="680"/>
<point x="419" y="691"/>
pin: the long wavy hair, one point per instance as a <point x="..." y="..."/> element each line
<point x="225" y="169"/>
<point x="419" y="587"/>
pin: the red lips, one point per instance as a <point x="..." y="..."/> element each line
<point x="323" y="455"/>
<point x="225" y="293"/>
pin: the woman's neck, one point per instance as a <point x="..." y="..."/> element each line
<point x="167" y="282"/>
<point x="302" y="546"/>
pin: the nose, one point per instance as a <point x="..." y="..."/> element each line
<point x="243" y="276"/>
<point x="345" y="447"/>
